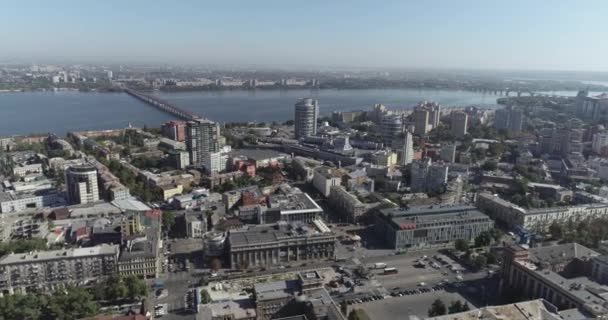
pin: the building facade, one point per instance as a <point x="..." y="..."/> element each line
<point x="324" y="178"/>
<point x="459" y="121"/>
<point x="448" y="153"/>
<point x="174" y="130"/>
<point x="538" y="220"/>
<point x="391" y="127"/>
<point x="509" y="119"/>
<point x="281" y="243"/>
<point x="202" y="136"/>
<point x="48" y="270"/>
<point x="346" y="204"/>
<point x="405" y="148"/>
<point x="560" y="274"/>
<point x="305" y="120"/>
<point x="423" y="227"/>
<point x="426" y="176"/>
<point x="81" y="184"/>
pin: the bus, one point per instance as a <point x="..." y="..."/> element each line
<point x="379" y="265"/>
<point x="390" y="271"/>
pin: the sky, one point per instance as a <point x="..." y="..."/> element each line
<point x="468" y="34"/>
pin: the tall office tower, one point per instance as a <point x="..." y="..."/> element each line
<point x="81" y="183"/>
<point x="459" y="124"/>
<point x="448" y="153"/>
<point x="426" y="117"/>
<point x="421" y="120"/>
<point x="600" y="143"/>
<point x="561" y="141"/>
<point x="378" y="113"/>
<point x="509" y="119"/>
<point x="434" y="113"/>
<point x="391" y="127"/>
<point x="426" y="176"/>
<point x="306" y="113"/>
<point x="405" y="148"/>
<point x="175" y="130"/>
<point x="202" y="137"/>
<point x="109" y="74"/>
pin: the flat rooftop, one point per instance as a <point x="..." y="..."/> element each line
<point x="275" y="290"/>
<point x="257" y="154"/>
<point x="13" y="258"/>
<point x="412" y="217"/>
<point x="293" y="202"/>
<point x="272" y="233"/>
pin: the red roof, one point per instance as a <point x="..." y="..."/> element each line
<point x="407" y="226"/>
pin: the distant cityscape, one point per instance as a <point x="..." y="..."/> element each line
<point x="430" y="211"/>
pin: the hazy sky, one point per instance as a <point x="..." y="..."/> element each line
<point x="483" y="34"/>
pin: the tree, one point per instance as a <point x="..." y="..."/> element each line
<point x="455" y="307"/>
<point x="490" y="165"/>
<point x="168" y="220"/>
<point x="557" y="230"/>
<point x="344" y="307"/>
<point x="437" y="309"/>
<point x="23" y="245"/>
<point x="115" y="289"/>
<point x="521" y="186"/>
<point x="496" y="234"/>
<point x="461" y="245"/>
<point x="216" y="264"/>
<point x="136" y="287"/>
<point x="496" y="149"/>
<point x="358" y="314"/>
<point x="68" y="303"/>
<point x="491" y="258"/>
<point x="480" y="261"/>
<point x="483" y="239"/>
<point x="465" y="307"/>
<point x="205" y="297"/>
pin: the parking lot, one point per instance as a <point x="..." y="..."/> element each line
<point x="408" y="307"/>
<point x="409" y="275"/>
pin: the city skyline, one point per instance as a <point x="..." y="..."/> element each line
<point x="543" y="35"/>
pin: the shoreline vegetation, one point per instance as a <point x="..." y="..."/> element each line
<point x="494" y="88"/>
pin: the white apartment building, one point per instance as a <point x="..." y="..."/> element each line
<point x="324" y="178"/>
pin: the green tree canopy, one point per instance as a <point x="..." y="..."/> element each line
<point x="205" y="297"/>
<point x="438" y="308"/>
<point x="461" y="245"/>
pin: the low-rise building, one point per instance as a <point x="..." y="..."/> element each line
<point x="20" y="201"/>
<point x="304" y="167"/>
<point x="260" y="157"/>
<point x="242" y="309"/>
<point x="140" y="257"/>
<point x="422" y="227"/>
<point x="169" y="191"/>
<point x="324" y="178"/>
<point x="25" y="169"/>
<point x="346" y="203"/>
<point x="280" y="243"/>
<point x="539" y="219"/>
<point x="196" y="224"/>
<point x="383" y="158"/>
<point x="539" y="309"/>
<point x="291" y="206"/>
<point x="49" y="270"/>
<point x="561" y="274"/>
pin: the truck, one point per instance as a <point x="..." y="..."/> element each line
<point x="379" y="265"/>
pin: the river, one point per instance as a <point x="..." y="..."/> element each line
<point x="63" y="111"/>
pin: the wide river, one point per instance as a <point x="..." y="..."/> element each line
<point x="60" y="112"/>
